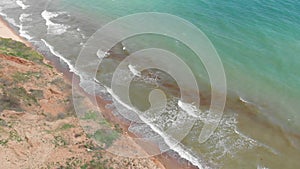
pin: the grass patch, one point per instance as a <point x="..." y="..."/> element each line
<point x="66" y="126"/>
<point x="73" y="163"/>
<point x="90" y="145"/>
<point x="95" y="164"/>
<point x="49" y="66"/>
<point x="104" y="123"/>
<point x="13" y="135"/>
<point x="21" y="94"/>
<point x="50" y="117"/>
<point x="9" y="102"/>
<point x="60" y="83"/>
<point x="90" y="115"/>
<point x="3" y="142"/>
<point x="23" y="77"/>
<point x="118" y="128"/>
<point x="59" y="141"/>
<point x="39" y="94"/>
<point x="106" y="136"/>
<point x="3" y="123"/>
<point x="95" y="116"/>
<point x="14" y="48"/>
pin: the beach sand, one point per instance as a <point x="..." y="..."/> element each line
<point x="8" y="32"/>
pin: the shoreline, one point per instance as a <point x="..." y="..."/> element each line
<point x="163" y="160"/>
<point x="7" y="32"/>
<point x="247" y="116"/>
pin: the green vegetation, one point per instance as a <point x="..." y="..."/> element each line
<point x="13" y="135"/>
<point x="66" y="126"/>
<point x="95" y="116"/>
<point x="3" y="142"/>
<point x="23" y="77"/>
<point x="90" y="145"/>
<point x="104" y="123"/>
<point x="39" y="94"/>
<point x="59" y="141"/>
<point x="14" y="48"/>
<point x="60" y="83"/>
<point x="9" y="102"/>
<point x="94" y="164"/>
<point x="90" y="115"/>
<point x="106" y="136"/>
<point x="118" y="128"/>
<point x="21" y="94"/>
<point x="3" y="122"/>
<point x="75" y="162"/>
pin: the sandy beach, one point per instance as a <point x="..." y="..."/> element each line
<point x="7" y="32"/>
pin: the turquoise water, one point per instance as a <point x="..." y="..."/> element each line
<point x="258" y="42"/>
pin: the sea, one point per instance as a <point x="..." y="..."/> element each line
<point x="258" y="42"/>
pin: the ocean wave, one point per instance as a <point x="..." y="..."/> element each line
<point x="102" y="54"/>
<point x="24" y="33"/>
<point x="53" y="28"/>
<point x="244" y="100"/>
<point x="9" y="20"/>
<point x="8" y="4"/>
<point x="134" y="71"/>
<point x="170" y="142"/>
<point x="261" y="167"/>
<point x="177" y="147"/>
<point x="188" y="108"/>
<point x="51" y="48"/>
<point x="24" y="17"/>
<point x="22" y="5"/>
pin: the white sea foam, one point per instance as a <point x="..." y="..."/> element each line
<point x="22" y="18"/>
<point x="261" y="167"/>
<point x="9" y="20"/>
<point x="180" y="149"/>
<point x="21" y="4"/>
<point x="51" y="48"/>
<point x="168" y="140"/>
<point x="53" y="28"/>
<point x="82" y="35"/>
<point x="244" y="100"/>
<point x="110" y="91"/>
<point x="188" y="108"/>
<point x="183" y="153"/>
<point x="102" y="54"/>
<point x="134" y="71"/>
<point x="24" y="33"/>
<point x="25" y="17"/>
